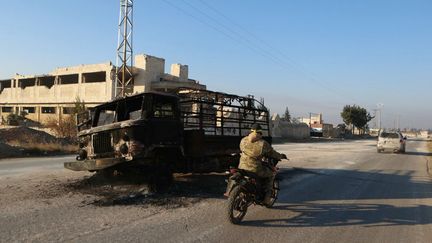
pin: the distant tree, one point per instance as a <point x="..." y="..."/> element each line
<point x="65" y="127"/>
<point x="356" y="116"/>
<point x="79" y="106"/>
<point x="347" y="115"/>
<point x="286" y="116"/>
<point x="15" y="119"/>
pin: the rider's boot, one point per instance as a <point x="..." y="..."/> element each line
<point x="267" y="197"/>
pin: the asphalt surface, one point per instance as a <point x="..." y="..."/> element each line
<point x="24" y="165"/>
<point x="331" y="192"/>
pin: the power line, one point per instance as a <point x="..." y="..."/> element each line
<point x="277" y="51"/>
<point x="223" y="32"/>
<point x="251" y="45"/>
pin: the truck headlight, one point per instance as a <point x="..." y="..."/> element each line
<point x="82" y="154"/>
<point x="124" y="149"/>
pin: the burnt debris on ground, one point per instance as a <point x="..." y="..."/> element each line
<point x="186" y="190"/>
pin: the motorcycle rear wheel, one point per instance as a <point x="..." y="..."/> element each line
<point x="237" y="205"/>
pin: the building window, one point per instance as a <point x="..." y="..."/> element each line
<point x="48" y="110"/>
<point x="7" y="109"/>
<point x="47" y="81"/>
<point x="68" y="110"/>
<point x="5" y="84"/>
<point x="24" y="83"/>
<point x="94" y="77"/>
<point x="29" y="110"/>
<point x="69" y="79"/>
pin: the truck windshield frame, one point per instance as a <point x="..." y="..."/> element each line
<point x="136" y="108"/>
<point x="130" y="108"/>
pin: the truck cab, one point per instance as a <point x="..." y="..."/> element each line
<point x="137" y="128"/>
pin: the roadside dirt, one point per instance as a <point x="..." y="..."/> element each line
<point x="25" y="134"/>
<point x="23" y="141"/>
<point x="36" y="206"/>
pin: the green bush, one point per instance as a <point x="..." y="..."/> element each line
<point x="14" y="119"/>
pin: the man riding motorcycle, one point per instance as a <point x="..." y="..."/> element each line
<point x="254" y="150"/>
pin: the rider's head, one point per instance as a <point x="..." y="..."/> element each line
<point x="256" y="131"/>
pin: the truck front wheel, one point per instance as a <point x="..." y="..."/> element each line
<point x="163" y="177"/>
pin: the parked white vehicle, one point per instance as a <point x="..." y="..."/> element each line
<point x="391" y="141"/>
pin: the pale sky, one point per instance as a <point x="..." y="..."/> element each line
<point x="309" y="56"/>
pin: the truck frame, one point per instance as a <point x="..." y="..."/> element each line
<point x="189" y="131"/>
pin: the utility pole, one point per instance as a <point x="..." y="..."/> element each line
<point x="124" y="61"/>
<point x="310" y="119"/>
<point x="398" y="122"/>
<point x="375" y="117"/>
<point x="380" y="106"/>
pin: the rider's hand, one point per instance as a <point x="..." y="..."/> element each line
<point x="284" y="156"/>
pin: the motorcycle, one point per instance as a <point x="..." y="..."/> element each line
<point x="244" y="188"/>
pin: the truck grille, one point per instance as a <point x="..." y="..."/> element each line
<point x="102" y="143"/>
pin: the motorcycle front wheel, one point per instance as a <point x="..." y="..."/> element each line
<point x="275" y="192"/>
<point x="237" y="205"/>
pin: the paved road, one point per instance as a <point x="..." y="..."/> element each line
<point x="332" y="192"/>
<point x="24" y="165"/>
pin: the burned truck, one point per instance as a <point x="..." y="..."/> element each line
<point x="189" y="131"/>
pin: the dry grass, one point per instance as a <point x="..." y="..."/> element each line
<point x="63" y="128"/>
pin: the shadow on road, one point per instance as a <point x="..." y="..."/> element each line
<point x="340" y="184"/>
<point x="334" y="198"/>
<point x="369" y="215"/>
<point x="418" y="153"/>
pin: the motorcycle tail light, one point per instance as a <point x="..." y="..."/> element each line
<point x="233" y="170"/>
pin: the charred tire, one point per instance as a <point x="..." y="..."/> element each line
<point x="107" y="173"/>
<point x="275" y="193"/>
<point x="237" y="205"/>
<point x="163" y="178"/>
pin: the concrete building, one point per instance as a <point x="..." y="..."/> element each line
<point x="314" y="118"/>
<point x="53" y="95"/>
<point x="284" y="129"/>
<point x="317" y="125"/>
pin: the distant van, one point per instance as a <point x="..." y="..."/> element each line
<point x="391" y="141"/>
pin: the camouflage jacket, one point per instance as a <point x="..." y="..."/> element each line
<point x="252" y="154"/>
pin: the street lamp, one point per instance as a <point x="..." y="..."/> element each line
<point x="380" y="106"/>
